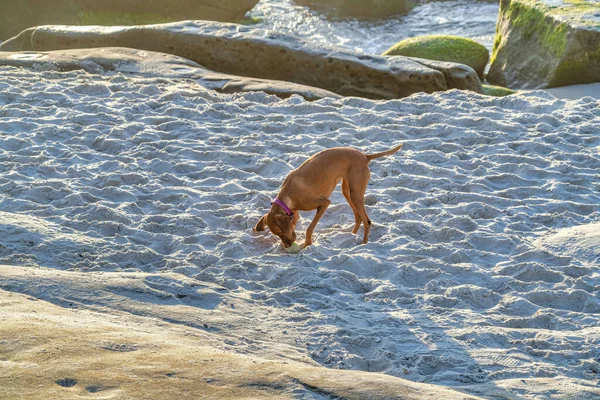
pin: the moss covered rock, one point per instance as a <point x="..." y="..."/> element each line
<point x="546" y="43"/>
<point x="496" y="91"/>
<point x="443" y="48"/>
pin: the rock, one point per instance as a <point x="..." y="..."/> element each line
<point x="546" y="43"/>
<point x="212" y="10"/>
<point x="496" y="91"/>
<point x="444" y="48"/>
<point x="458" y="76"/>
<point x="258" y="53"/>
<point x="18" y="15"/>
<point x="166" y="360"/>
<point x="280" y="89"/>
<point x="140" y="63"/>
<point x="361" y="8"/>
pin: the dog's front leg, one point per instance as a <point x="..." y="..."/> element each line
<point x="321" y="207"/>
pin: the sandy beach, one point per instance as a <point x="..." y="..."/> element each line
<point x="127" y="196"/>
<point x="575" y="92"/>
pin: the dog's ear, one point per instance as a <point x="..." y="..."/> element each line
<point x="261" y="224"/>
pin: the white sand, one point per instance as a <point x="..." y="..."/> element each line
<point x="467" y="281"/>
<point x="575" y="92"/>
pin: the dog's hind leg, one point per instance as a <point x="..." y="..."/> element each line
<point x="346" y="193"/>
<point x="358" y="187"/>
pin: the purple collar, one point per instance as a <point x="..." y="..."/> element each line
<point x="284" y="206"/>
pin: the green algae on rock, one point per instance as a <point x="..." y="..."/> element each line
<point x="496" y="91"/>
<point x="546" y="43"/>
<point x="444" y="48"/>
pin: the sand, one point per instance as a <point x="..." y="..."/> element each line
<point x="57" y="352"/>
<point x="575" y="92"/>
<point x="147" y="190"/>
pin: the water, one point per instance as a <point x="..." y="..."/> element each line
<point x="467" y="18"/>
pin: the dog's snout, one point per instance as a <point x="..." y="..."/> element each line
<point x="286" y="242"/>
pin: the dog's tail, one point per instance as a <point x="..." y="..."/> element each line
<point x="383" y="153"/>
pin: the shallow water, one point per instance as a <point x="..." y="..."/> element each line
<point x="473" y="19"/>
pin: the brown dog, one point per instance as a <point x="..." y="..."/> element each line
<point x="309" y="187"/>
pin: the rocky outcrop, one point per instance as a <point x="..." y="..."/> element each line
<point x="257" y="53"/>
<point x="17" y="15"/>
<point x="141" y="63"/>
<point x="212" y="10"/>
<point x="444" y="48"/>
<point x="458" y="76"/>
<point x="360" y="8"/>
<point x="132" y="355"/>
<point x="546" y="43"/>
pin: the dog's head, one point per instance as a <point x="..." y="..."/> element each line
<point x="280" y="224"/>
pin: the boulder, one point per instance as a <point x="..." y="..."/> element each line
<point x="253" y="52"/>
<point x="454" y="49"/>
<point x="18" y="15"/>
<point x="458" y="76"/>
<point x="546" y="43"/>
<point x="139" y="63"/>
<point x="360" y="8"/>
<point x="212" y="10"/>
